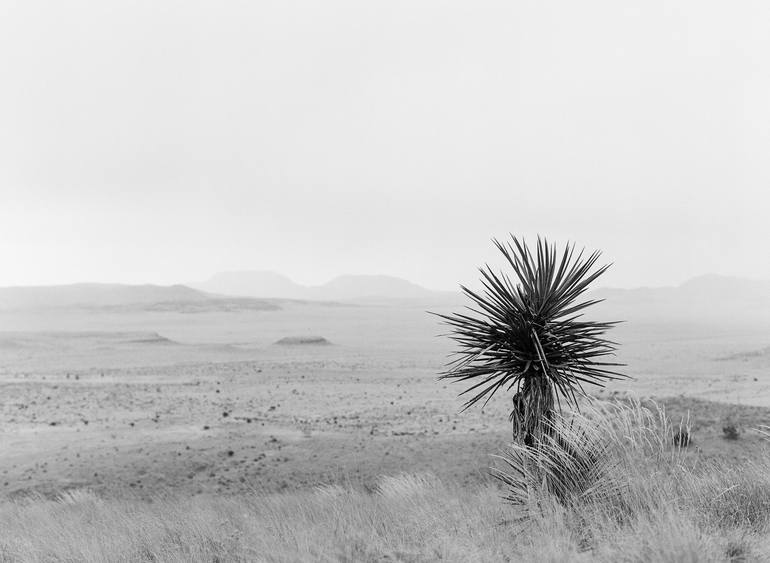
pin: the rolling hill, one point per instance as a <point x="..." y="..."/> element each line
<point x="93" y="295"/>
<point x="707" y="298"/>
<point x="179" y="298"/>
<point x="342" y="288"/>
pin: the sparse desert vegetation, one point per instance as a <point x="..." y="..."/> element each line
<point x="250" y="310"/>
<point x="652" y="502"/>
<point x="146" y="434"/>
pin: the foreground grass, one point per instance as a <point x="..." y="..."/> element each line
<point x="653" y="504"/>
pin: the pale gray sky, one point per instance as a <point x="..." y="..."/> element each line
<point x="163" y="141"/>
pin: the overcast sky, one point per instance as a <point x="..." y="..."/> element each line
<point x="163" y="141"/>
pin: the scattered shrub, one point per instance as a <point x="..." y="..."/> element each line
<point x="730" y="431"/>
<point x="682" y="438"/>
<point x="640" y="501"/>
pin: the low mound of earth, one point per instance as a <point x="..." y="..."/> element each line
<point x="56" y="346"/>
<point x="11" y="343"/>
<point x="151" y="338"/>
<point x="32" y="338"/>
<point x="761" y="354"/>
<point x="303" y="341"/>
<point x="216" y="304"/>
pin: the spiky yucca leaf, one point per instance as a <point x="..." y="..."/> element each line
<point x="526" y="333"/>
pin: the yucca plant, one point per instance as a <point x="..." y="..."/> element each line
<point x="594" y="457"/>
<point x="526" y="333"/>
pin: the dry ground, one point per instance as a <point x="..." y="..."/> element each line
<point x="207" y="403"/>
<point x="673" y="507"/>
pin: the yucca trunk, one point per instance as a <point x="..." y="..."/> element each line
<point x="533" y="410"/>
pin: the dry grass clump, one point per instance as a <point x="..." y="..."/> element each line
<point x="641" y="500"/>
<point x="614" y="484"/>
<point x="596" y="456"/>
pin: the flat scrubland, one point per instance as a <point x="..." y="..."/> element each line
<point x="164" y="436"/>
<point x="645" y="501"/>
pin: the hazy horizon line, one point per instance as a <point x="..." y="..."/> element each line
<point x="457" y="288"/>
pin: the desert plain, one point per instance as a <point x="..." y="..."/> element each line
<point x="274" y="395"/>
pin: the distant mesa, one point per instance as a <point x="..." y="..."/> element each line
<point x="253" y="284"/>
<point x="343" y="288"/>
<point x="303" y="341"/>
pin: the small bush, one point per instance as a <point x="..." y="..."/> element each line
<point x="731" y="431"/>
<point x="736" y="551"/>
<point x="682" y="438"/>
